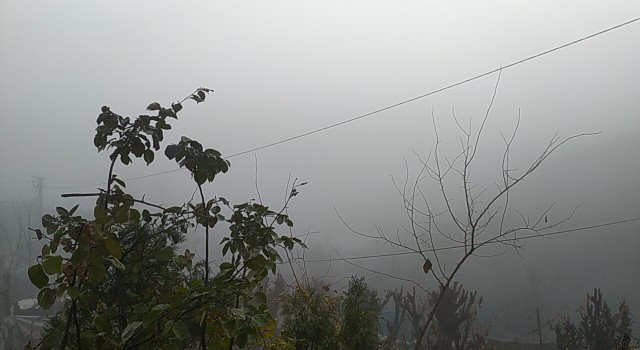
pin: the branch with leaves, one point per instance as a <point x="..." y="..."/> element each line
<point x="119" y="274"/>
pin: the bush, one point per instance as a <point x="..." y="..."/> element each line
<point x="309" y="317"/>
<point x="598" y="328"/>
<point x="360" y="319"/>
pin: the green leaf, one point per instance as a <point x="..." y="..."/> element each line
<point x="218" y="344"/>
<point x="117" y="263"/>
<point x="200" y="176"/>
<point x="52" y="264"/>
<point x="79" y="255"/>
<point x="73" y="210"/>
<point x="48" y="220"/>
<point x="226" y="266"/>
<point x="102" y="323"/>
<point x="130" y="330"/>
<point x="164" y="112"/>
<point x="260" y="297"/>
<point x="176" y="107"/>
<point x="150" y="317"/>
<point x="125" y="159"/>
<point x="137" y="148"/>
<point x="164" y="254"/>
<point x="37" y="276"/>
<point x="148" y="156"/>
<point x="96" y="273"/>
<point x="52" y="338"/>
<point x="98" y="141"/>
<point x="62" y="211"/>
<point x="99" y="211"/>
<point x="46" y="298"/>
<point x="113" y="247"/>
<point x="180" y="329"/>
<point x="171" y="151"/>
<point x="241" y="340"/>
<point x="118" y="181"/>
<point x="62" y="288"/>
<point x="154" y="107"/>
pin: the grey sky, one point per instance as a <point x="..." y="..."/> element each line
<point x="281" y="68"/>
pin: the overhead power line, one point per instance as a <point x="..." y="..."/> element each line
<point x="16" y="182"/>
<point x="129" y="179"/>
<point x="398" y="104"/>
<point x="436" y="91"/>
<point x="385" y="255"/>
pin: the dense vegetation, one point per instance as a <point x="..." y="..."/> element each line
<point x="126" y="283"/>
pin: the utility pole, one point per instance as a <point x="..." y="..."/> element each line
<point x="539" y="327"/>
<point x="38" y="186"/>
<point x="38" y="203"/>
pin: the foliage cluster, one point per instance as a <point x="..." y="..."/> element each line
<point x="314" y="319"/>
<point x="123" y="280"/>
<point x="599" y="328"/>
<point x="360" y="317"/>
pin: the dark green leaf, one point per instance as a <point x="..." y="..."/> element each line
<point x="52" y="264"/>
<point x="171" y="151"/>
<point x="150" y="317"/>
<point x="116" y="263"/>
<point x="113" y="247"/>
<point x="62" y="211"/>
<point x="137" y="148"/>
<point x="148" y="156"/>
<point x="119" y="182"/>
<point x="79" y="255"/>
<point x="164" y="254"/>
<point x="241" y="340"/>
<point x="37" y="276"/>
<point x="180" y="329"/>
<point x="96" y="272"/>
<point x="260" y="297"/>
<point x="154" y="107"/>
<point x="46" y="298"/>
<point x="177" y="107"/>
<point x="134" y="215"/>
<point x="48" y="220"/>
<point x="73" y="210"/>
<point x="99" y="141"/>
<point x="164" y="112"/>
<point x="130" y="330"/>
<point x="200" y="176"/>
<point x="162" y="124"/>
<point x="102" y="323"/>
<point x="125" y="159"/>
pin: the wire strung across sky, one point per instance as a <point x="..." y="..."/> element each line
<point x="537" y="235"/>
<point x="377" y="111"/>
<point x="16" y="182"/>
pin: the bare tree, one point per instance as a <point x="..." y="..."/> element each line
<point x="470" y="217"/>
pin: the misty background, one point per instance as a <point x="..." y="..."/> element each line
<point x="283" y="68"/>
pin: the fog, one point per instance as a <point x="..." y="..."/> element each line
<point x="284" y="68"/>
